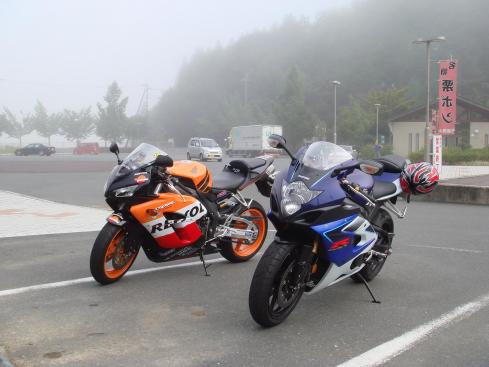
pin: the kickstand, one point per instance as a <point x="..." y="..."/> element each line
<point x="368" y="288"/>
<point x="201" y="255"/>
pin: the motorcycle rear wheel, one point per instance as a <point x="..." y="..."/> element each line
<point x="273" y="296"/>
<point x="236" y="250"/>
<point x="383" y="245"/>
<point x="112" y="254"/>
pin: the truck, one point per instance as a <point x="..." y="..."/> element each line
<point x="251" y="140"/>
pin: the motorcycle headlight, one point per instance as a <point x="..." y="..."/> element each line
<point x="294" y="195"/>
<point x="125" y="192"/>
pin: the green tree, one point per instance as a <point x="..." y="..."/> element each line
<point x="18" y="127"/>
<point x="134" y="129"/>
<point x="357" y="121"/>
<point x="291" y="111"/>
<point x="77" y="125"/>
<point x="112" y="117"/>
<point x="46" y="125"/>
<point x="5" y="126"/>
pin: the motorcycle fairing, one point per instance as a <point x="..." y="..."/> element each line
<point x="171" y="219"/>
<point x="346" y="238"/>
<point x="358" y="236"/>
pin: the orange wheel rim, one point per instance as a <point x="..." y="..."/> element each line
<point x="116" y="261"/>
<point x="240" y="247"/>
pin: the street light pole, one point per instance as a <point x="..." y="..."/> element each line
<point x="377" y="105"/>
<point x="428" y="42"/>
<point x="335" y="84"/>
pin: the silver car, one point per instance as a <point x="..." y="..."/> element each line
<point x="203" y="149"/>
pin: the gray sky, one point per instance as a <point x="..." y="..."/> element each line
<point x="66" y="52"/>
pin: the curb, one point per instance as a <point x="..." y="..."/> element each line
<point x="4" y="361"/>
<point x="459" y="194"/>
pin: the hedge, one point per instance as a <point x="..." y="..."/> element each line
<point x="455" y="155"/>
<point x="368" y="151"/>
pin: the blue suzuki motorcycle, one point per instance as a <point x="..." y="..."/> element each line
<point x="332" y="215"/>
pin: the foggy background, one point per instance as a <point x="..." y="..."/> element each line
<point x="66" y="53"/>
<point x="187" y="67"/>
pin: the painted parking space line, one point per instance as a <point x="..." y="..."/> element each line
<point x="447" y="248"/>
<point x="391" y="349"/>
<point x="67" y="283"/>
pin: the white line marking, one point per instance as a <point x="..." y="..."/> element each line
<point x="66" y="283"/>
<point x="393" y="348"/>
<point x="447" y="248"/>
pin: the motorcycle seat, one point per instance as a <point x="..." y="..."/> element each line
<point x="383" y="188"/>
<point x="227" y="180"/>
<point x="247" y="165"/>
<point x="392" y="163"/>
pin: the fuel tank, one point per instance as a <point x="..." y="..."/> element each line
<point x="194" y="172"/>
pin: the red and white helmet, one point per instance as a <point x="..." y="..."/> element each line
<point x="419" y="178"/>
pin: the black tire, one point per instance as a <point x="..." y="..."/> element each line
<point x="99" y="250"/>
<point x="269" y="286"/>
<point x="188" y="156"/>
<point x="383" y="245"/>
<point x="201" y="157"/>
<point x="229" y="249"/>
<point x="42" y="153"/>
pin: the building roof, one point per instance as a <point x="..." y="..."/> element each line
<point x="413" y="114"/>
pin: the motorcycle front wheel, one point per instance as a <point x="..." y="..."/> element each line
<point x="113" y="254"/>
<point x="273" y="292"/>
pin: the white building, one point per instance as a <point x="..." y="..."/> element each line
<point x="471" y="128"/>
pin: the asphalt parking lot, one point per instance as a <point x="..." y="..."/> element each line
<point x="175" y="316"/>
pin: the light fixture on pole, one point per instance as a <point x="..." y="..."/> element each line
<point x="377" y="105"/>
<point x="428" y="42"/>
<point x="335" y="84"/>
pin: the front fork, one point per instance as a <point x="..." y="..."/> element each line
<point x="305" y="264"/>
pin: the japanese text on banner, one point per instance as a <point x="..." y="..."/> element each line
<point x="447" y="97"/>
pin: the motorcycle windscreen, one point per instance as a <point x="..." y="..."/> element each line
<point x="317" y="159"/>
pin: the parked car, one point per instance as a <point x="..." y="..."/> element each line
<point x="35" y="149"/>
<point x="204" y="149"/>
<point x="87" y="148"/>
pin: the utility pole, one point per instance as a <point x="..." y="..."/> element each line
<point x="427" y="132"/>
<point x="335" y="84"/>
<point x="377" y="105"/>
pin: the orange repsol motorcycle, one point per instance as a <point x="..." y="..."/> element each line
<point x="175" y="210"/>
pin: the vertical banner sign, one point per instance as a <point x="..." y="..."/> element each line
<point x="437" y="149"/>
<point x="434" y="121"/>
<point x="447" y="97"/>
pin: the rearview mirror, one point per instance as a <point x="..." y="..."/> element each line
<point x="276" y="141"/>
<point x="371" y="167"/>
<point x="114" y="148"/>
<point x="163" y="161"/>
